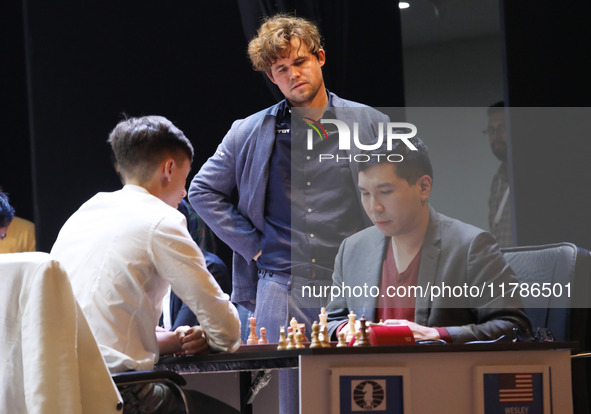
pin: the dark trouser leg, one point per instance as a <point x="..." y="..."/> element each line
<point x="155" y="398"/>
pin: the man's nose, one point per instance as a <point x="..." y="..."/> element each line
<point x="376" y="205"/>
<point x="294" y="72"/>
<point x="184" y="192"/>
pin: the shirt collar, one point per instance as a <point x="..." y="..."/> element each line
<point x="284" y="109"/>
<point x="135" y="188"/>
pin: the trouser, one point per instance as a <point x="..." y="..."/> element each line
<point x="158" y="398"/>
<point x="148" y="399"/>
<point x="279" y="298"/>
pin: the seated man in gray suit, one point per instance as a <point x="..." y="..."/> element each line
<point x="411" y="245"/>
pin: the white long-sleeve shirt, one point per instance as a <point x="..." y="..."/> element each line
<point x="121" y="251"/>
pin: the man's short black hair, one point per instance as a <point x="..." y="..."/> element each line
<point x="140" y="144"/>
<point x="414" y="164"/>
<point x="6" y="210"/>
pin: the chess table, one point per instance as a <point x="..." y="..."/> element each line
<point x="439" y="374"/>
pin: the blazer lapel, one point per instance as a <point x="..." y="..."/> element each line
<point x="257" y="183"/>
<point x="349" y="116"/>
<point x="375" y="266"/>
<point x="372" y="267"/>
<point x="428" y="266"/>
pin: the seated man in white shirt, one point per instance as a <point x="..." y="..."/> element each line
<point x="123" y="249"/>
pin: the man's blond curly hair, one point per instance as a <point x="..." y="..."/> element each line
<point x="273" y="38"/>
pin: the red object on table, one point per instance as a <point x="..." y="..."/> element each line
<point x="390" y="335"/>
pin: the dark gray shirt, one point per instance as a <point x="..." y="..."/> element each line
<point x="311" y="205"/>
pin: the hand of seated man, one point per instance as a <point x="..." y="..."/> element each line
<point x="192" y="340"/>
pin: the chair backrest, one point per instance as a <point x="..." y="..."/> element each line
<point x="556" y="264"/>
<point x="49" y="359"/>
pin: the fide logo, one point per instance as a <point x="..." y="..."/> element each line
<point x="368" y="395"/>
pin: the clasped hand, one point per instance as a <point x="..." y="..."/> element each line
<point x="185" y="340"/>
<point x="192" y="340"/>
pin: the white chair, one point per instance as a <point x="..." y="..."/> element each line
<point x="49" y="359"/>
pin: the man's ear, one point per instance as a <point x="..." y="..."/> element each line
<point x="321" y="57"/>
<point x="425" y="182"/>
<point x="168" y="165"/>
<point x="270" y="76"/>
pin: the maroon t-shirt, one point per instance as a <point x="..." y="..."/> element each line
<point x="397" y="307"/>
<point x="400" y="307"/>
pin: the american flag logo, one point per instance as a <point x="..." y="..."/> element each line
<point x="515" y="388"/>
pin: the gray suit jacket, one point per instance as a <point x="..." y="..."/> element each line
<point x="454" y="254"/>
<point x="241" y="162"/>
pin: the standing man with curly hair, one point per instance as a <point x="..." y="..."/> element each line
<point x="292" y="211"/>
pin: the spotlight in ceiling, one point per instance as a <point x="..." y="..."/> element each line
<point x="403" y="5"/>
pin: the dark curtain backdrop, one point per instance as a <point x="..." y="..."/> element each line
<point x="89" y="62"/>
<point x="15" y="148"/>
<point x="548" y="64"/>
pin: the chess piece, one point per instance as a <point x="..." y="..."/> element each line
<point x="357" y="336"/>
<point x="315" y="336"/>
<point x="323" y="317"/>
<point x="351" y="327"/>
<point x="252" y="336"/>
<point x="294" y="325"/>
<point x="363" y="339"/>
<point x="325" y="338"/>
<point x="263" y="339"/>
<point x="323" y="321"/>
<point x="299" y="340"/>
<point x="302" y="330"/>
<point x="282" y="341"/>
<point x="342" y="342"/>
<point x="290" y="341"/>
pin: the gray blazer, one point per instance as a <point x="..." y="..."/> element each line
<point x="453" y="253"/>
<point x="241" y="162"/>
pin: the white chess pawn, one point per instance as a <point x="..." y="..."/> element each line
<point x="315" y="343"/>
<point x="282" y="344"/>
<point x="290" y="341"/>
<point x="263" y="339"/>
<point x="342" y="342"/>
<point x="252" y="337"/>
